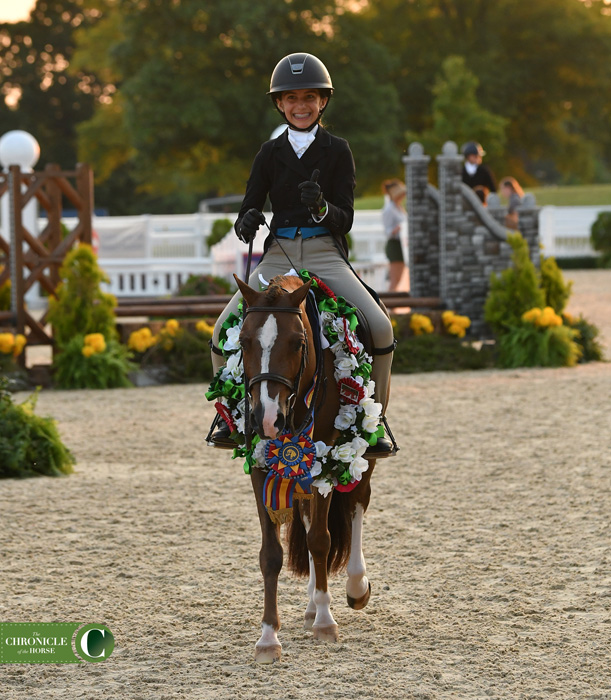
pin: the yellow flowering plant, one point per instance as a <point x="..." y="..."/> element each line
<point x="420" y="324"/>
<point x="540" y="340"/>
<point x="11" y="346"/>
<point x="92" y="362"/>
<point x="182" y="350"/>
<point x="455" y="324"/>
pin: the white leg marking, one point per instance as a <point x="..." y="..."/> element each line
<point x="357" y="583"/>
<point x="324" y="617"/>
<point x="268" y="649"/>
<point x="310" y="612"/>
<point x="269" y="636"/>
<point x="267" y="337"/>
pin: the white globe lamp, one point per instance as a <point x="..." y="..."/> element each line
<point x="19" y="148"/>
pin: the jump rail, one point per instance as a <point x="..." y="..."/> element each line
<point x="213" y="305"/>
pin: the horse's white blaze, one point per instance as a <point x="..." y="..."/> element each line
<point x="269" y="636"/>
<point x="267" y="335"/>
<point x="357" y="584"/>
<point x="324" y="617"/>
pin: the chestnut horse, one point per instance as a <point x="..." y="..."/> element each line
<point x="325" y="534"/>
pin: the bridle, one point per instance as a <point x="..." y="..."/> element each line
<point x="273" y="376"/>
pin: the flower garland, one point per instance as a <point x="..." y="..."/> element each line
<point x="342" y="464"/>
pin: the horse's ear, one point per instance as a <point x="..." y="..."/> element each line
<point x="300" y="294"/>
<point x="249" y="294"/>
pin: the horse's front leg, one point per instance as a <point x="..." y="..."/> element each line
<point x="319" y="544"/>
<point x="268" y="649"/>
<point x="358" y="588"/>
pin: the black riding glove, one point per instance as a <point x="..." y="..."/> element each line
<point x="311" y="194"/>
<point x="250" y="225"/>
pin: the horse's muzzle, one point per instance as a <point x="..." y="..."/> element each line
<point x="266" y="423"/>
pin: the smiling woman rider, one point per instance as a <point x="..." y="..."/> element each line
<point x="310" y="218"/>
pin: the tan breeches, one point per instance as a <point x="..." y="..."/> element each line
<point x="320" y="257"/>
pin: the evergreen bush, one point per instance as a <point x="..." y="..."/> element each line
<point x="5" y="294"/>
<point x="556" y="290"/>
<point x="591" y="349"/>
<point x="204" y="285"/>
<point x="514" y="291"/>
<point x="600" y="237"/>
<point x="220" y="228"/>
<point x="30" y="445"/>
<point x="81" y="307"/>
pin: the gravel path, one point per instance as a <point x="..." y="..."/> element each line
<point x="487" y="544"/>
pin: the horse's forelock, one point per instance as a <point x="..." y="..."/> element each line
<point x="280" y="285"/>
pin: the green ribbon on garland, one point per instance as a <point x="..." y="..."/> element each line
<point x="228" y="388"/>
<point x="373" y="437"/>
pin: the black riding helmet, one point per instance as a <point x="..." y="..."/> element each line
<point x="300" y="71"/>
<point x="472" y="148"/>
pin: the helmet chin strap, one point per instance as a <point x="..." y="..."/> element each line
<point x="298" y="128"/>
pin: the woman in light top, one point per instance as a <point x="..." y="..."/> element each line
<point x="393" y="217"/>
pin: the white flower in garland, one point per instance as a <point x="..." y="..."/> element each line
<point x="346" y="417"/>
<point x="233" y="338"/>
<point x="345" y="366"/>
<point x="324" y="487"/>
<point x="233" y="368"/>
<point x="372" y="411"/>
<point x="355" y="422"/>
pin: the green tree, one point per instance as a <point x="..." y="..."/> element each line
<point x="457" y="114"/>
<point x="191" y="111"/>
<point x="40" y="96"/>
<point x="544" y="64"/>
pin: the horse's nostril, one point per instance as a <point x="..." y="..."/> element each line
<point x="280" y="422"/>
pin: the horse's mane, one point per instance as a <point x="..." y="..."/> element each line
<point x="281" y="284"/>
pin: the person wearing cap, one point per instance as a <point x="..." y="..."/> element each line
<point x="474" y="172"/>
<point x="393" y="218"/>
<point x="312" y="213"/>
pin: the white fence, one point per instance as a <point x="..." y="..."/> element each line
<point x="148" y="256"/>
<point x="153" y="255"/>
<point x="564" y="232"/>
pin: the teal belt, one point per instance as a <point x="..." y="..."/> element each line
<point x="303" y="231"/>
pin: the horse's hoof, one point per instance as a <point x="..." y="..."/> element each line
<point x="268" y="654"/>
<point x="360" y="603"/>
<point x="308" y="620"/>
<point x="326" y="633"/>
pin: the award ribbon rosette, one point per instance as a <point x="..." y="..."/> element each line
<point x="289" y="459"/>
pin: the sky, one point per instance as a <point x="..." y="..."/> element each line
<point x="15" y="10"/>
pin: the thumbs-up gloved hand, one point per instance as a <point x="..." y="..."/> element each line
<point x="250" y="225"/>
<point x="311" y="194"/>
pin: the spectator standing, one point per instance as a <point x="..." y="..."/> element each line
<point x="511" y="190"/>
<point x="474" y="172"/>
<point x="393" y="218"/>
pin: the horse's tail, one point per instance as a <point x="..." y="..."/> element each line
<point x="340" y="527"/>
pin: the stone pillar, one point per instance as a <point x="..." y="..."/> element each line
<point x="423" y="244"/>
<point x="450" y="211"/>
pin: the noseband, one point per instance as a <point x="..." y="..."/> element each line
<point x="272" y="376"/>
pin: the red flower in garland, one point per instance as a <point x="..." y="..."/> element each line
<point x="350" y="391"/>
<point x="350" y="337"/>
<point x="323" y="287"/>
